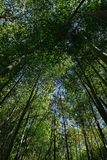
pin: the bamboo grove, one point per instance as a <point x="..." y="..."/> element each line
<point x="53" y="80"/>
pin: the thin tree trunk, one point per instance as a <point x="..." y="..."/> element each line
<point x="97" y="73"/>
<point x="102" y="137"/>
<point x="102" y="101"/>
<point x="99" y="105"/>
<point x="7" y="154"/>
<point x="7" y="95"/>
<point x="79" y="146"/>
<point x="76" y="145"/>
<point x="102" y="55"/>
<point x="90" y="125"/>
<point x="68" y="22"/>
<point x="5" y="84"/>
<point x="10" y="78"/>
<point x="54" y="137"/>
<point x="66" y="139"/>
<point x="105" y="68"/>
<point x="88" y="141"/>
<point x="23" y="137"/>
<point x="86" y="144"/>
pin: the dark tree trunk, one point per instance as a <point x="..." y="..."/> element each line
<point x="86" y="144"/>
<point x="102" y="137"/>
<point x="7" y="95"/>
<point x="11" y="144"/>
<point x="66" y="139"/>
<point x="98" y="52"/>
<point x="97" y="73"/>
<point x="5" y="84"/>
<point x="92" y="92"/>
<point x="54" y="137"/>
<point x="102" y="65"/>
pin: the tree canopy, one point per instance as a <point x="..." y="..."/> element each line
<point x="53" y="80"/>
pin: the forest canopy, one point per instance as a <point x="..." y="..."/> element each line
<point x="53" y="80"/>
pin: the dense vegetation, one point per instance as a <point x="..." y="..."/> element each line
<point x="53" y="80"/>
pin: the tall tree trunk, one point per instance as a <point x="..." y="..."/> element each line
<point x="91" y="127"/>
<point x="102" y="55"/>
<point x="23" y="137"/>
<point x="66" y="139"/>
<point x="103" y="103"/>
<point x="97" y="73"/>
<point x="68" y="23"/>
<point x="6" y="96"/>
<point x="11" y="144"/>
<point x="4" y="84"/>
<point x="97" y="123"/>
<point x="98" y="52"/>
<point x="86" y="144"/>
<point x="54" y="136"/>
<point x="79" y="146"/>
<point x="97" y="102"/>
<point x="102" y="65"/>
<point x="11" y="77"/>
<point x="76" y="144"/>
<point x="102" y="137"/>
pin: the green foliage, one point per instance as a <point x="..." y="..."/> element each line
<point x="52" y="80"/>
